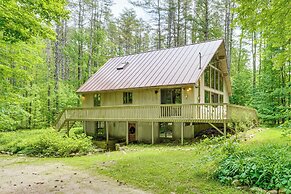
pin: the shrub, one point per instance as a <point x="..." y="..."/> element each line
<point x="286" y="128"/>
<point x="44" y="143"/>
<point x="267" y="166"/>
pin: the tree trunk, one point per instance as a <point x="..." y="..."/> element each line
<point x="159" y="26"/>
<point x="57" y="67"/>
<point x="254" y="53"/>
<point x="206" y="30"/>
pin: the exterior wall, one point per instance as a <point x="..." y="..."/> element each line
<point x="117" y="130"/>
<point x="90" y="128"/>
<point x="87" y="100"/>
<point x="225" y="96"/>
<point x="188" y="132"/>
<point x="151" y="96"/>
<point x="144" y="132"/>
<point x="188" y="94"/>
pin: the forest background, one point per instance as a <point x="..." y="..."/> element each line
<point x="48" y="48"/>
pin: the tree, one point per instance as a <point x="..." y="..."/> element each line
<point x="153" y="7"/>
<point x="271" y="21"/>
<point x="21" y="20"/>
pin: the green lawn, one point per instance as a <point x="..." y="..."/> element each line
<point x="166" y="169"/>
<point x="156" y="168"/>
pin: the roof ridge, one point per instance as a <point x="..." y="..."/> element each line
<point x="155" y="50"/>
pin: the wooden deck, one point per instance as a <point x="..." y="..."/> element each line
<point x="199" y="113"/>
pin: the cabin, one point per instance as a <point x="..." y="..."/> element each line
<point x="165" y="94"/>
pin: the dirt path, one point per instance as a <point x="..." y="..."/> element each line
<point x="18" y="177"/>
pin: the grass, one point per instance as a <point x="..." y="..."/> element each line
<point x="160" y="169"/>
<point x="165" y="169"/>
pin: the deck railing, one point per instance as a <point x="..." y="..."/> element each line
<point x="217" y="113"/>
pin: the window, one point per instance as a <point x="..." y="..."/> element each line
<point x="214" y="98"/>
<point x="127" y="97"/>
<point x="171" y="96"/>
<point x="221" y="83"/>
<point x="221" y="98"/>
<point x="212" y="75"/>
<point x="100" y="130"/>
<point x="216" y="79"/>
<point x="207" y="97"/>
<point x="97" y="99"/>
<point x="166" y="130"/>
<point x="207" y="76"/>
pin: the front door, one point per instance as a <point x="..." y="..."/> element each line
<point x="131" y="132"/>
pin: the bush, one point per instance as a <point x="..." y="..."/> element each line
<point x="44" y="143"/>
<point x="267" y="166"/>
<point x="286" y="128"/>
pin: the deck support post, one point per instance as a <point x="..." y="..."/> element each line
<point x="182" y="133"/>
<point x="153" y="140"/>
<point x="68" y="128"/>
<point x="84" y="127"/>
<point x="216" y="128"/>
<point x="107" y="131"/>
<point x="126" y="132"/>
<point x="224" y="129"/>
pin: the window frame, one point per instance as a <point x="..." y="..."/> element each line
<point x="97" y="100"/>
<point x="173" y="94"/>
<point x="127" y="98"/>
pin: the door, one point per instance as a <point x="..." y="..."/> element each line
<point x="132" y="132"/>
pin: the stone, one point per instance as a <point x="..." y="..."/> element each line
<point x="272" y="192"/>
<point x="282" y="191"/>
<point x="257" y="190"/>
<point x="236" y="183"/>
<point x="117" y="147"/>
<point x="246" y="188"/>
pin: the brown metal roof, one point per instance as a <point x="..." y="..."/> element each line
<point x="174" y="66"/>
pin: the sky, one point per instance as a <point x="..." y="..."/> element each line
<point x="119" y="5"/>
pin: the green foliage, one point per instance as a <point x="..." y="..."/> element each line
<point x="268" y="23"/>
<point x="267" y="166"/>
<point x="241" y="88"/>
<point x="22" y="20"/>
<point x="44" y="143"/>
<point x="286" y="128"/>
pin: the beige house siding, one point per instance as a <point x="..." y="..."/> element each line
<point x="190" y="94"/>
<point x="151" y="96"/>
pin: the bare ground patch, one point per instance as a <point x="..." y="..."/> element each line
<point x="19" y="177"/>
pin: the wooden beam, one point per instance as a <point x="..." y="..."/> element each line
<point x="84" y="126"/>
<point x="193" y="130"/>
<point x="182" y="133"/>
<point x="107" y="131"/>
<point x="224" y="129"/>
<point x="126" y="133"/>
<point x="216" y="128"/>
<point x="153" y="140"/>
